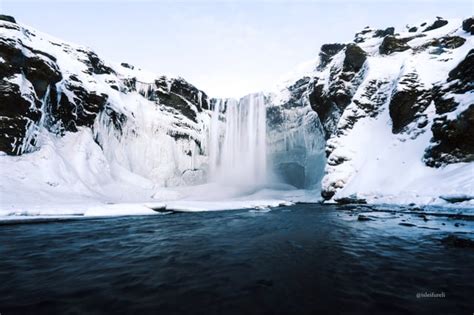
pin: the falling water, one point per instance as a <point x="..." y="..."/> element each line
<point x="238" y="142"/>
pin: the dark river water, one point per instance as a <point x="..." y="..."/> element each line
<point x="304" y="259"/>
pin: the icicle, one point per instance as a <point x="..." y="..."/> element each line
<point x="33" y="129"/>
<point x="214" y="139"/>
<point x="200" y="99"/>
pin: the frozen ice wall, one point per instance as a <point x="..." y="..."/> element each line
<point x="296" y="144"/>
<point x="155" y="144"/>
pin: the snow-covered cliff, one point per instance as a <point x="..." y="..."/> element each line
<point x="386" y="118"/>
<point x="71" y="122"/>
<point x="397" y="111"/>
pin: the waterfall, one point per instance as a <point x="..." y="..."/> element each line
<point x="238" y="153"/>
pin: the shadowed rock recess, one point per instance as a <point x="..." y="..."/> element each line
<point x="418" y="83"/>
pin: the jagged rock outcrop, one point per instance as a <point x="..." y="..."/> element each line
<point x="386" y="32"/>
<point x="452" y="140"/>
<point x="408" y="102"/>
<point x="392" y="44"/>
<point x="446" y="42"/>
<point x="329" y="96"/>
<point x="7" y="18"/>
<point x="468" y="25"/>
<point x="327" y="52"/>
<point x="440" y="22"/>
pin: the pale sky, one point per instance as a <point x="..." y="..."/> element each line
<point x="226" y="48"/>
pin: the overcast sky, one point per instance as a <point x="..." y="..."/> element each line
<point x="226" y="48"/>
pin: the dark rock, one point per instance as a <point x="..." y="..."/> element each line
<point x="406" y="224"/>
<point x="423" y="217"/>
<point x="437" y="24"/>
<point x="330" y="105"/>
<point x="40" y="69"/>
<point x="296" y="93"/>
<point x="408" y="103"/>
<point x="413" y="29"/>
<point x="456" y="241"/>
<point x="174" y="93"/>
<point x="362" y="217"/>
<point x="336" y="160"/>
<point x="373" y="97"/>
<point x="464" y="70"/>
<point x="352" y="199"/>
<point x="115" y="119"/>
<point x="392" y="44"/>
<point x="456" y="198"/>
<point x="177" y="102"/>
<point x="442" y="100"/>
<point x="328" y="193"/>
<point x="16" y="115"/>
<point x="79" y="111"/>
<point x="190" y="93"/>
<point x="355" y="58"/>
<point x="96" y="65"/>
<point x="130" y="83"/>
<point x="327" y="52"/>
<point x="383" y="33"/>
<point x="42" y="74"/>
<point x="19" y="114"/>
<point x="402" y="108"/>
<point x="467" y="25"/>
<point x="127" y="65"/>
<point x="327" y="108"/>
<point x="460" y="81"/>
<point x="449" y="42"/>
<point x="361" y="36"/>
<point x="7" y="18"/>
<point x="453" y="140"/>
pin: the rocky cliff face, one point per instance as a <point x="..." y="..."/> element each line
<point x="51" y="87"/>
<point x="417" y="84"/>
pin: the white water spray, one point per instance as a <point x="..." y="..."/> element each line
<point x="238" y="150"/>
